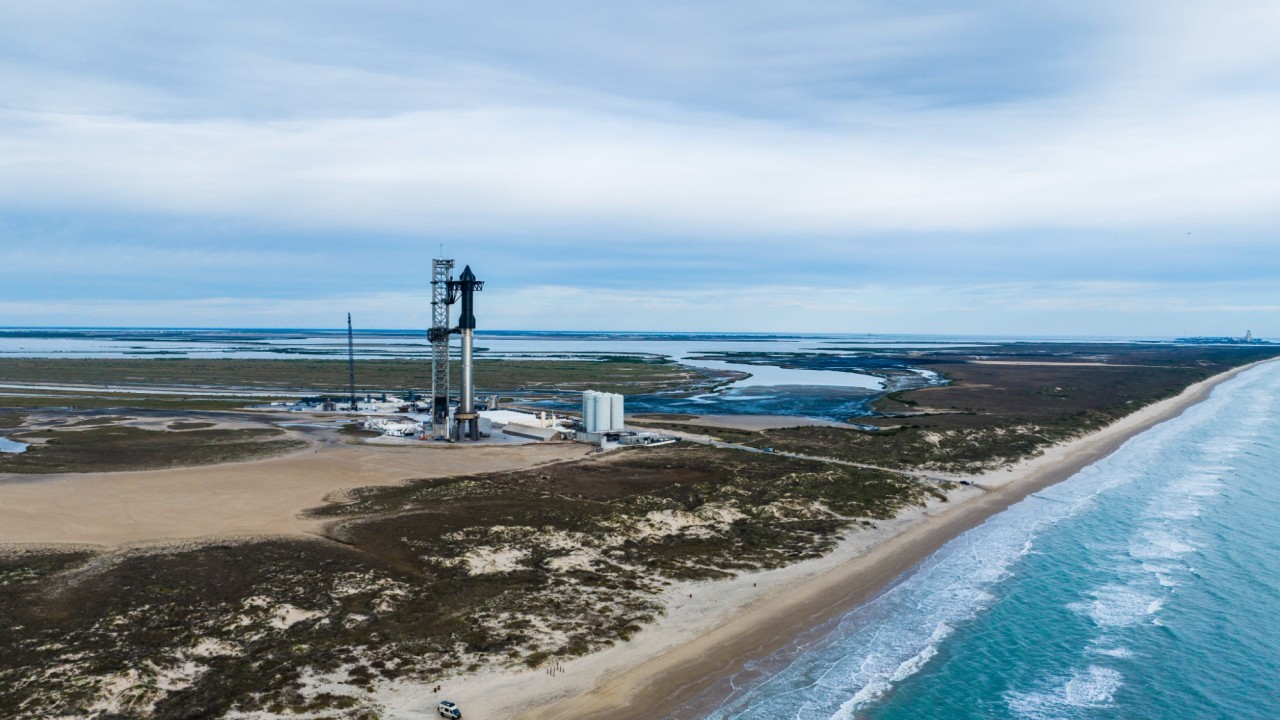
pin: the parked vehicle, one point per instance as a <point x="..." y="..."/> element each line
<point x="447" y="709"/>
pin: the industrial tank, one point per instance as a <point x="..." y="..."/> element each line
<point x="588" y="410"/>
<point x="602" y="412"/>
<point x="615" y="412"/>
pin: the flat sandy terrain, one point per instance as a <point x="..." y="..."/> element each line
<point x="263" y="497"/>
<point x="707" y="637"/>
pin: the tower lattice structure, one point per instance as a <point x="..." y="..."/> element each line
<point x="443" y="294"/>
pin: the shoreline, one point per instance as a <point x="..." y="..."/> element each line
<point x="703" y="641"/>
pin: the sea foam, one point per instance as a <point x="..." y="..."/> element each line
<point x="1092" y="688"/>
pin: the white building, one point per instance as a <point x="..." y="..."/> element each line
<point x="531" y="432"/>
<point x="504" y="417"/>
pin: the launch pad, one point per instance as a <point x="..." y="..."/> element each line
<point x="462" y="418"/>
<point x="463" y="422"/>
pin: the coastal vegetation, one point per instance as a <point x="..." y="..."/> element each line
<point x="122" y="447"/>
<point x="1007" y="403"/>
<point x="622" y="374"/>
<point x="436" y="577"/>
<point x="98" y="399"/>
<point x="416" y="582"/>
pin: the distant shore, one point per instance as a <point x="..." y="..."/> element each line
<point x="713" y="628"/>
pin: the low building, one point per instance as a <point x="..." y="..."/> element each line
<point x="542" y="434"/>
<point x="624" y="437"/>
<point x="504" y="417"/>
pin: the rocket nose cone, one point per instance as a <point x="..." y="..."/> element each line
<point x="467" y="274"/>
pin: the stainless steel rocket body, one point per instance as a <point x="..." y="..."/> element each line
<point x="467" y="403"/>
<point x="466" y="416"/>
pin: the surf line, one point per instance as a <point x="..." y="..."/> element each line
<point x="1049" y="499"/>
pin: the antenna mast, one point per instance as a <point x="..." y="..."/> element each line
<point x="351" y="363"/>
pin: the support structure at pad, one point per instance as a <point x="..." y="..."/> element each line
<point x="443" y="294"/>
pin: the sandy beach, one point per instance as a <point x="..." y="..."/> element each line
<point x="712" y="628"/>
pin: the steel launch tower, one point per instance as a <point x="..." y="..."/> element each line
<point x="443" y="295"/>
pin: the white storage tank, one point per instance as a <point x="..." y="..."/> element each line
<point x="615" y="412"/>
<point x="602" y="413"/>
<point x="588" y="410"/>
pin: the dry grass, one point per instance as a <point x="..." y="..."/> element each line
<point x="627" y="375"/>
<point x="113" y="447"/>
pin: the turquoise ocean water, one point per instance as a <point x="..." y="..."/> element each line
<point x="1146" y="586"/>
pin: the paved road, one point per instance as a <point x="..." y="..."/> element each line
<point x="708" y="440"/>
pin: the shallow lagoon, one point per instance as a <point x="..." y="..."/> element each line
<point x="828" y="403"/>
<point x="828" y="386"/>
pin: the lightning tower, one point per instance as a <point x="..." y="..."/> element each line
<point x="351" y="364"/>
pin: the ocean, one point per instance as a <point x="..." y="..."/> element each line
<point x="1145" y="586"/>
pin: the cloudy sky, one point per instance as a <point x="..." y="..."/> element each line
<point x="844" y="166"/>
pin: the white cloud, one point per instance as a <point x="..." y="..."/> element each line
<point x="1093" y="308"/>
<point x="1021" y="138"/>
<point x="468" y="171"/>
<point x="1170" y="122"/>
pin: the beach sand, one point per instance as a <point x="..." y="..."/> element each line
<point x="708" y="637"/>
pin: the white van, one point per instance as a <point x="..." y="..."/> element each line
<point x="447" y="709"/>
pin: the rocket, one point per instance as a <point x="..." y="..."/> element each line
<point x="467" y="286"/>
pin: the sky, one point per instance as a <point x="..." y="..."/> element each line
<point x="1002" y="167"/>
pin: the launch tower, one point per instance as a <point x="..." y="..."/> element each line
<point x="443" y="294"/>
